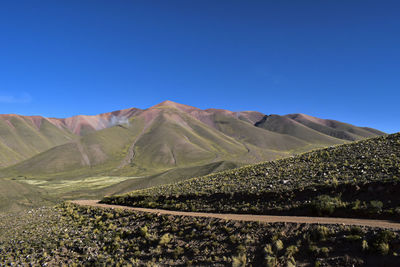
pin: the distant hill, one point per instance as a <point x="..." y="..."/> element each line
<point x="165" y="136"/>
<point x="334" y="128"/>
<point x="22" y="137"/>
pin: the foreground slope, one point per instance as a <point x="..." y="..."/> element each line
<point x="75" y="235"/>
<point x="359" y="179"/>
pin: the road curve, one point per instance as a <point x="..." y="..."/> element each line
<point x="252" y="218"/>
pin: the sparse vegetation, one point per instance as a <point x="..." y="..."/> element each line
<point x="352" y="180"/>
<point x="75" y="235"/>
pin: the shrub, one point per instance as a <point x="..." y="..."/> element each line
<point x="324" y="251"/>
<point x="397" y="211"/>
<point x="178" y="251"/>
<point x="356" y="230"/>
<point x="376" y="206"/>
<point x="144" y="231"/>
<point x="290" y="262"/>
<point x="313" y="249"/>
<point x="278" y="245"/>
<point x="385" y="236"/>
<point x="356" y="204"/>
<point x="326" y="205"/>
<point x="239" y="261"/>
<point x="291" y="250"/>
<point x="165" y="239"/>
<point x="382" y="248"/>
<point x="321" y="233"/>
<point x="271" y="261"/>
<point x="268" y="250"/>
<point x="364" y="245"/>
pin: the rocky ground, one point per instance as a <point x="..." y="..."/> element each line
<point x="71" y="234"/>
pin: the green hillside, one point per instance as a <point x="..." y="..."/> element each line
<point x="359" y="179"/>
<point x="143" y="148"/>
<point x="171" y="135"/>
<point x="23" y="137"/>
<point x="78" y="157"/>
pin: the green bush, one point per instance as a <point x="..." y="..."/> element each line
<point x="291" y="250"/>
<point x="383" y="248"/>
<point x="239" y="261"/>
<point x="364" y="245"/>
<point x="326" y="205"/>
<point x="321" y="233"/>
<point x="278" y="245"/>
<point x="376" y="206"/>
<point x="165" y="239"/>
<point x="324" y="251"/>
<point x="271" y="261"/>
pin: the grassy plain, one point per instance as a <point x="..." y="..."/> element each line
<point x="26" y="192"/>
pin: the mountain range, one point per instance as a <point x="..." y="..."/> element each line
<point x="168" y="135"/>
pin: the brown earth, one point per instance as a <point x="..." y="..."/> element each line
<point x="252" y="218"/>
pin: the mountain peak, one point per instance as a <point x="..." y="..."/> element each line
<point x="169" y="103"/>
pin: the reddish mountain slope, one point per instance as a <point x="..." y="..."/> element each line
<point x="170" y="135"/>
<point x="83" y="124"/>
<point x="163" y="136"/>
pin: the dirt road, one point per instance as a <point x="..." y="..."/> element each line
<point x="253" y="218"/>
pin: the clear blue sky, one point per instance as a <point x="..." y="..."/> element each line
<point x="330" y="59"/>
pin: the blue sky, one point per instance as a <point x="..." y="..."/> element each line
<point x="330" y="59"/>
